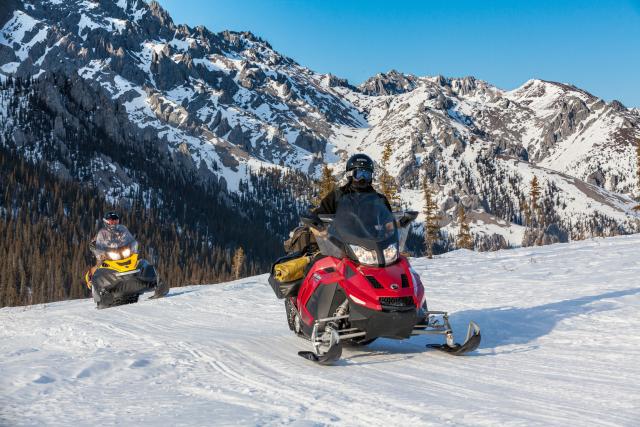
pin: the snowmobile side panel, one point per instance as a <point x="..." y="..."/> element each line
<point x="325" y="300"/>
<point x="147" y="272"/>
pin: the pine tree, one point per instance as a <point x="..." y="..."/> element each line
<point x="237" y="263"/>
<point x="534" y="207"/>
<point x="534" y="214"/>
<point x="464" y="239"/>
<point x="325" y="185"/>
<point x="431" y="218"/>
<point x="388" y="185"/>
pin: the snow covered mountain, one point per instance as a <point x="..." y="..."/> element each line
<point x="560" y="347"/>
<point x="222" y="106"/>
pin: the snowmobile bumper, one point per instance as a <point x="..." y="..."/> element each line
<point x="396" y="324"/>
<point x="111" y="288"/>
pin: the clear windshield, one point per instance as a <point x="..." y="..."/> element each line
<point x="115" y="238"/>
<point x="361" y="218"/>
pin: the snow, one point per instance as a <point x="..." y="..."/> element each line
<point x="560" y="347"/>
<point x="182" y="45"/>
<point x="86" y="22"/>
<point x="118" y="25"/>
<point x="16" y="28"/>
<point x="90" y="70"/>
<point x="10" y="67"/>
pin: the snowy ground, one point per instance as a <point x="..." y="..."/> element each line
<point x="561" y="346"/>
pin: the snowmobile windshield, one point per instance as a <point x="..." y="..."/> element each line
<point x="114" y="238"/>
<point x="363" y="219"/>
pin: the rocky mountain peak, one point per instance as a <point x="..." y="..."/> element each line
<point x="390" y="83"/>
<point x="221" y="105"/>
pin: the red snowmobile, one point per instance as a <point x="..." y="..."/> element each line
<point x="361" y="287"/>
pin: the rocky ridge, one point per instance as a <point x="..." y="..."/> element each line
<point x="222" y="105"/>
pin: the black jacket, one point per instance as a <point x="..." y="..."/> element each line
<point x="329" y="204"/>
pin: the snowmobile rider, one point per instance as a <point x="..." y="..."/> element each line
<point x="110" y="236"/>
<point x="360" y="177"/>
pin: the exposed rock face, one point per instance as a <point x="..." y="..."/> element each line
<point x="222" y="104"/>
<point x="391" y="83"/>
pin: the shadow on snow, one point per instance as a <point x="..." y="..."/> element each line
<point x="500" y="326"/>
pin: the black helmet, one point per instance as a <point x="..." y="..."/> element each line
<point x="360" y="161"/>
<point x="109" y="217"/>
<point x="361" y="168"/>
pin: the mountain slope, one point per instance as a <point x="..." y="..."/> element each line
<point x="560" y="345"/>
<point x="221" y="106"/>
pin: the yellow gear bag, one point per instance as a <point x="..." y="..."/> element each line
<point x="291" y="270"/>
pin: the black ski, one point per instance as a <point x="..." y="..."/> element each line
<point x="162" y="289"/>
<point x="470" y="344"/>
<point x="327" y="358"/>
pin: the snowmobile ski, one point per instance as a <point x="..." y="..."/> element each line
<point x="470" y="344"/>
<point x="162" y="289"/>
<point x="328" y="358"/>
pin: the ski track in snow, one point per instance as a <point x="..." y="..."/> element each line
<point x="561" y="345"/>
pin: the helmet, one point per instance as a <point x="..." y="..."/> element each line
<point x="361" y="166"/>
<point x="360" y="161"/>
<point x="111" y="219"/>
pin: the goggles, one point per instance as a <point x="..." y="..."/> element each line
<point x="362" y="174"/>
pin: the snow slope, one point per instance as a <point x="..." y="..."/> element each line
<point x="561" y="346"/>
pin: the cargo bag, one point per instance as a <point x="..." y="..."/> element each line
<point x="300" y="240"/>
<point x="287" y="274"/>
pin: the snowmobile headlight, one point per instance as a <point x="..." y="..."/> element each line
<point x="364" y="256"/>
<point x="390" y="253"/>
<point x="134" y="248"/>
<point x="126" y="252"/>
<point x="113" y="255"/>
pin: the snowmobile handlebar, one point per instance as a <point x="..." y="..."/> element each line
<point x="316" y="221"/>
<point x="311" y="219"/>
<point x="407" y="218"/>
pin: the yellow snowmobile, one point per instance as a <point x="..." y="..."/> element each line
<point x="122" y="277"/>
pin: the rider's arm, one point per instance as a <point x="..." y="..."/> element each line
<point x="386" y="202"/>
<point x="327" y="205"/>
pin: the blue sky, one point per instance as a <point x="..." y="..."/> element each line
<point x="592" y="44"/>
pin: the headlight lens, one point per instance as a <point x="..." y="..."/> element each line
<point x="134" y="247"/>
<point x="113" y="255"/>
<point x="364" y="256"/>
<point x="126" y="252"/>
<point x="390" y="253"/>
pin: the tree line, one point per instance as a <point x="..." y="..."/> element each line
<point x="191" y="229"/>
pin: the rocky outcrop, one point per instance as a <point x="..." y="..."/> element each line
<point x="391" y="83"/>
<point x="215" y="103"/>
